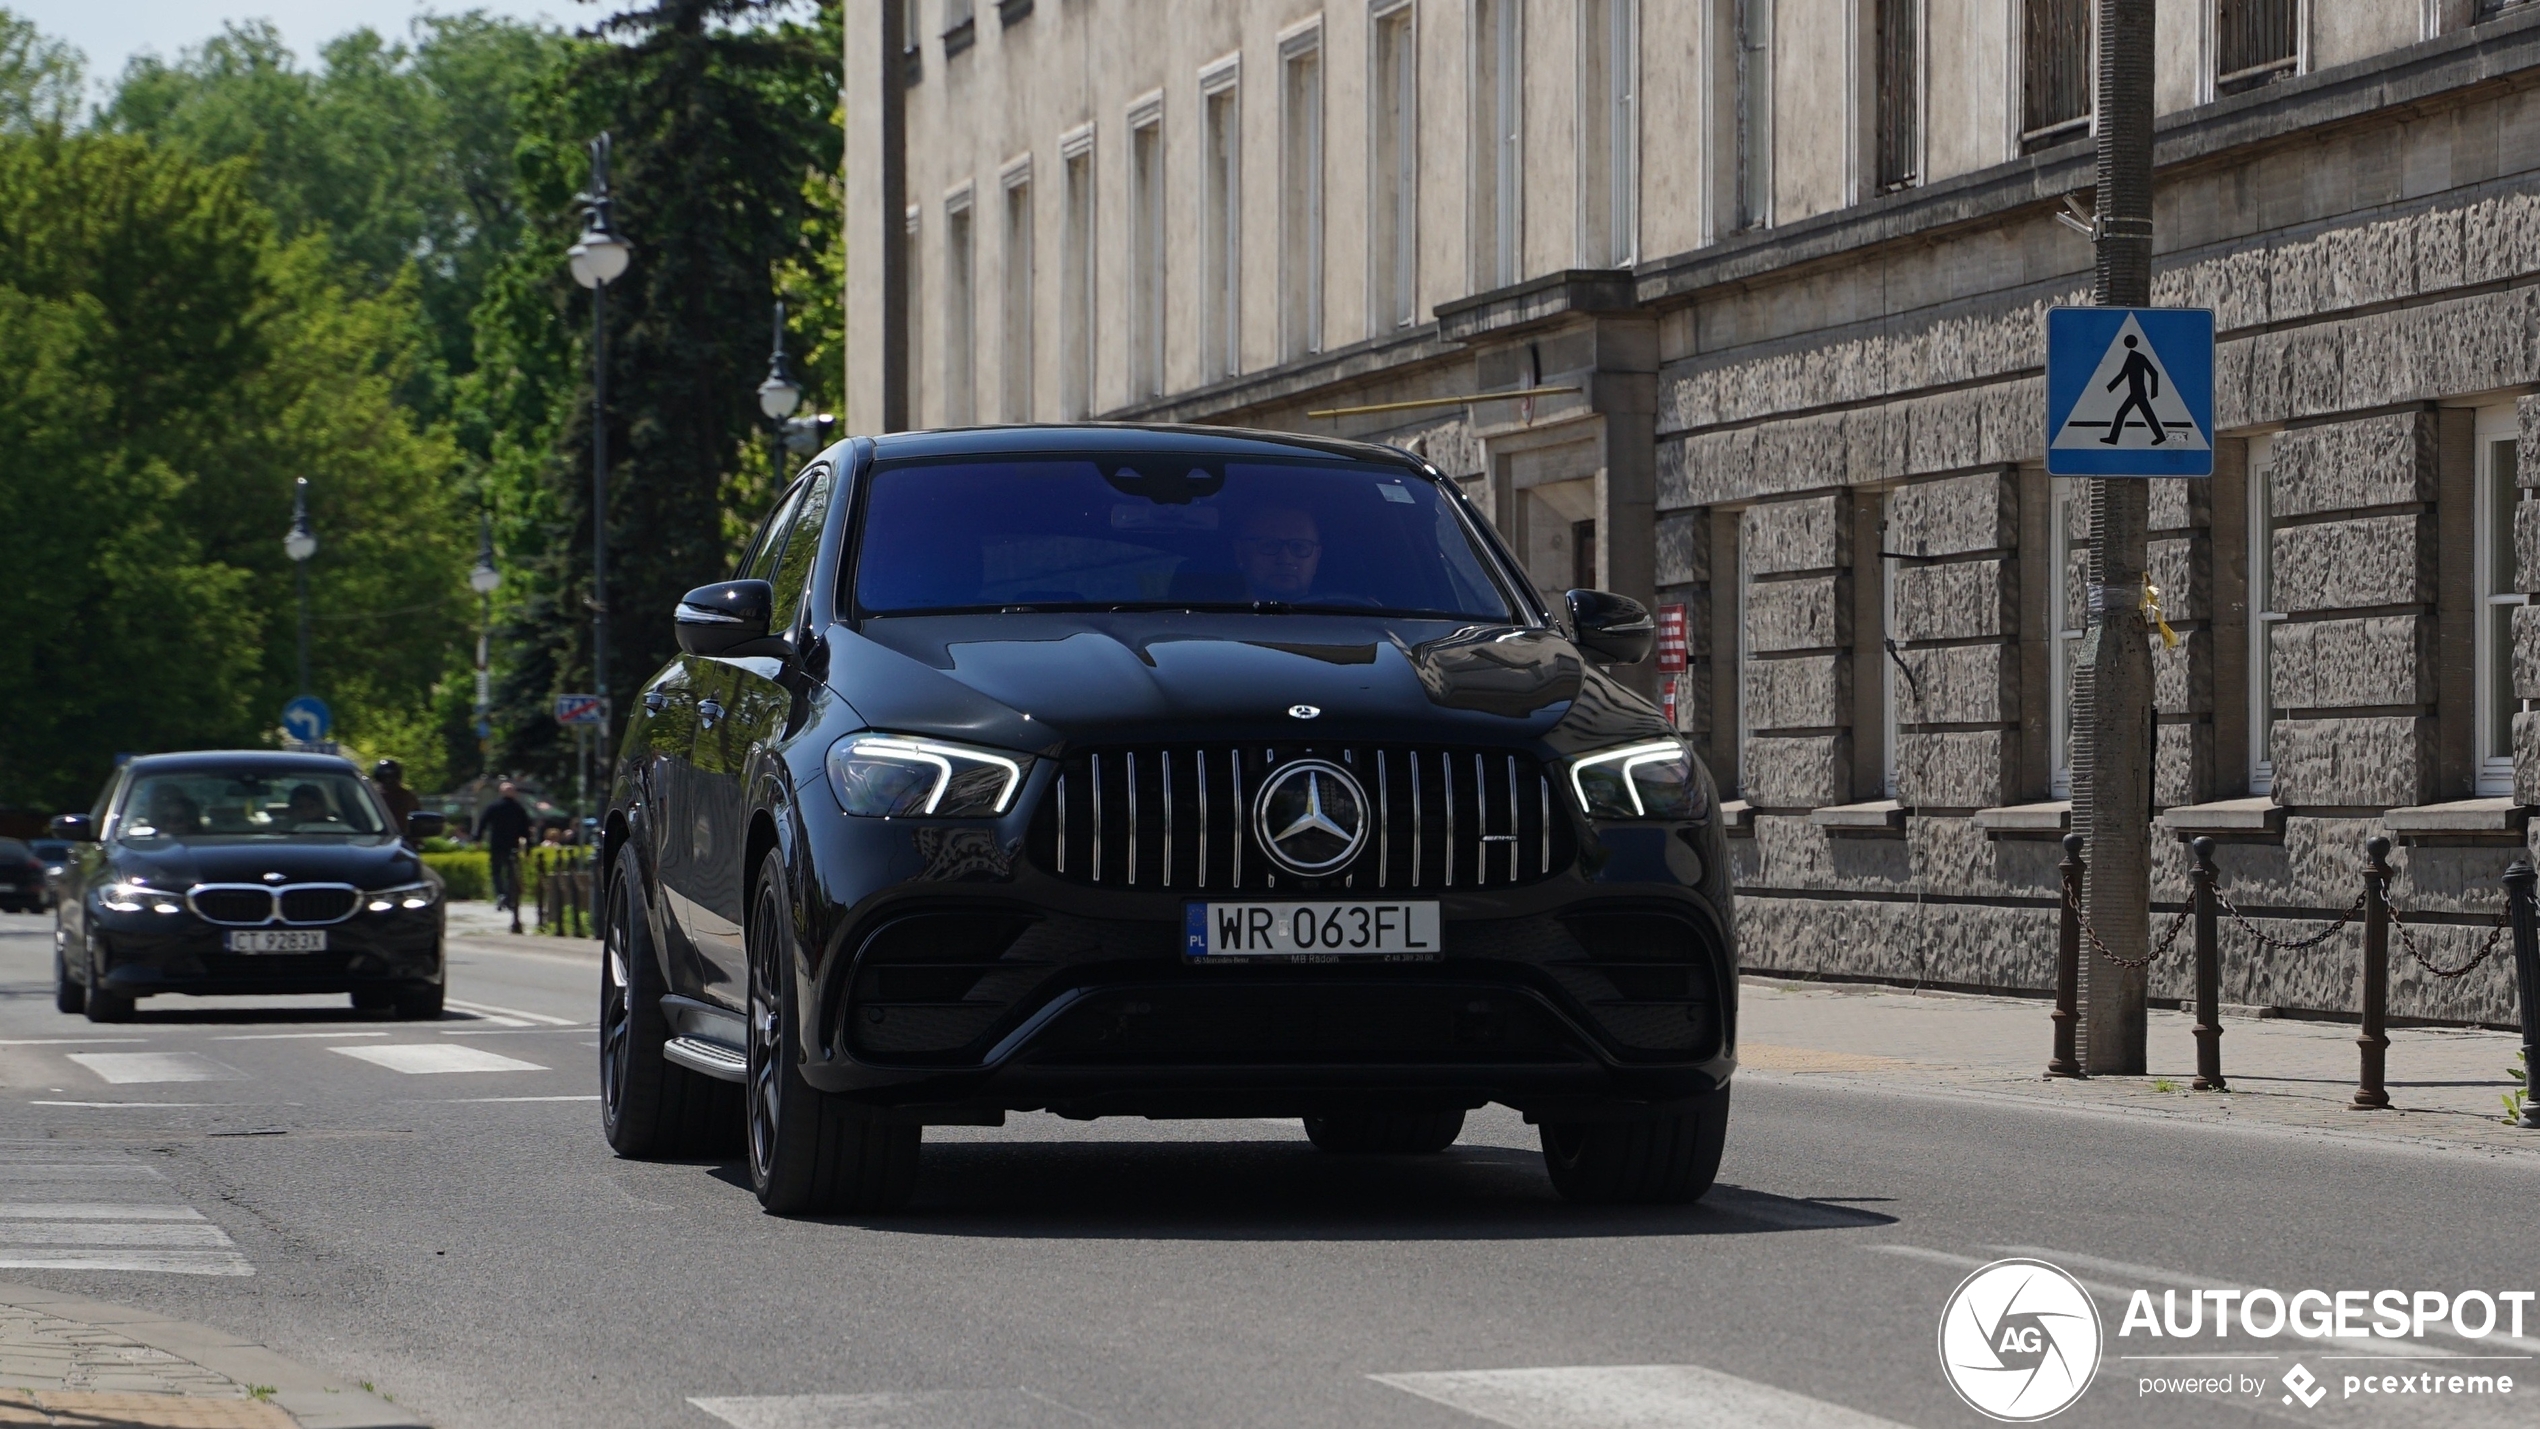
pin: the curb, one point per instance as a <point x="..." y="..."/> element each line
<point x="315" y="1399"/>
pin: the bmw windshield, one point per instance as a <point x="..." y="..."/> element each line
<point x="1167" y="532"/>
<point x="223" y="806"/>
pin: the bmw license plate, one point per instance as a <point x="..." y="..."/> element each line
<point x="275" y="940"/>
<point x="1241" y="930"/>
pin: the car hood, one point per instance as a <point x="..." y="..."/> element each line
<point x="364" y="863"/>
<point x="1042" y="681"/>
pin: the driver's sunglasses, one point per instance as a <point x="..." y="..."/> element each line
<point x="1293" y="550"/>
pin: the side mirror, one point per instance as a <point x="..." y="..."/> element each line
<point x="729" y="619"/>
<point x="73" y="828"/>
<point x="1609" y="626"/>
<point x="426" y="824"/>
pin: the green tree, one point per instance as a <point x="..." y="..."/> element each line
<point x="719" y="114"/>
<point x="39" y="78"/>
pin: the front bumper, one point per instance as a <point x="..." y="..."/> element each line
<point x="139" y="954"/>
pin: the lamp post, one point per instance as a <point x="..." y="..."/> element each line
<point x="483" y="580"/>
<point x="301" y="544"/>
<point x="779" y="395"/>
<point x="597" y="259"/>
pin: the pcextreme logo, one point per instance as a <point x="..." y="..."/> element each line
<point x="2019" y="1340"/>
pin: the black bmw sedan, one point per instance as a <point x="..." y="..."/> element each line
<point x="243" y="872"/>
<point x="1166" y="773"/>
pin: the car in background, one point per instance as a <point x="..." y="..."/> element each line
<point x="1156" y="772"/>
<point x="253" y="871"/>
<point x="24" y="887"/>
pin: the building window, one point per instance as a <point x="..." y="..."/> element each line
<point x="1393" y="173"/>
<point x="961" y="29"/>
<point x="1882" y="650"/>
<point x="1076" y="276"/>
<point x="1015" y="362"/>
<point x="1751" y="32"/>
<point x="1301" y="195"/>
<point x="2263" y="616"/>
<point x="1146" y="250"/>
<point x="1609" y="133"/>
<point x="2256" y="42"/>
<point x="2055" y="95"/>
<point x="1496" y="126"/>
<point x="2499" y="594"/>
<point x="2064" y="580"/>
<point x="1742" y="598"/>
<point x="1900" y="94"/>
<point x="1221" y="223"/>
<point x="912" y="319"/>
<point x="961" y="366"/>
<point x="912" y="53"/>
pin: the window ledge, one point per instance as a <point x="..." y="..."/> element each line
<point x="1737" y="818"/>
<point x="2497" y="820"/>
<point x="1879" y="818"/>
<point x="2231" y="820"/>
<point x="2050" y="820"/>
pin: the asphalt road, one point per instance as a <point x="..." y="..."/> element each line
<point x="430" y="1208"/>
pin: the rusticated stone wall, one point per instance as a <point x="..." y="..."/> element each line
<point x="1796" y="678"/>
<point x="1957" y="685"/>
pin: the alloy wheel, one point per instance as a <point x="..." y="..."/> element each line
<point x="766" y="1059"/>
<point x="617" y="1011"/>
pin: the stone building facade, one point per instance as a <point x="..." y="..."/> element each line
<point x="1774" y="274"/>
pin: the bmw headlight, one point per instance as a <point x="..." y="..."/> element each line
<point x="134" y="897"/>
<point x="410" y="897"/>
<point x="1656" y="780"/>
<point x="888" y="776"/>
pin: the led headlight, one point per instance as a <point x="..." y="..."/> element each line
<point x="134" y="897"/>
<point x="887" y="776"/>
<point x="1656" y="780"/>
<point x="411" y="896"/>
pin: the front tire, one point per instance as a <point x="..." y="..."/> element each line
<point x="1665" y="1160"/>
<point x="809" y="1152"/>
<point x="648" y="1106"/>
<point x="68" y="996"/>
<point x="1386" y="1133"/>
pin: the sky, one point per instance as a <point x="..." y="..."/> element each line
<point x="111" y="31"/>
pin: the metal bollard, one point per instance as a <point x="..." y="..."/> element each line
<point x="2520" y="890"/>
<point x="2066" y="1062"/>
<point x="2209" y="1073"/>
<point x="2374" y="1043"/>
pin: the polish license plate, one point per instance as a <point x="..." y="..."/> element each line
<point x="275" y="940"/>
<point x="1241" y="930"/>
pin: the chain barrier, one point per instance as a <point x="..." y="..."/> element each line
<point x="2298" y="944"/>
<point x="2407" y="940"/>
<point x="2160" y="949"/>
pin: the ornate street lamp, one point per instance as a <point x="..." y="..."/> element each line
<point x="483" y="580"/>
<point x="598" y="259"/>
<point x="779" y="395"/>
<point x="301" y="544"/>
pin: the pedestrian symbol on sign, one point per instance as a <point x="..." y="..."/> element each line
<point x="2129" y="392"/>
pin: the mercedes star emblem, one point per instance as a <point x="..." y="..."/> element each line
<point x="1311" y="817"/>
<point x="1304" y="711"/>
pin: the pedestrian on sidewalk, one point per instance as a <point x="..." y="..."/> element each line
<point x="503" y="827"/>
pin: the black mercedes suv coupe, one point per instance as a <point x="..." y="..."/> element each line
<point x="1155" y="772"/>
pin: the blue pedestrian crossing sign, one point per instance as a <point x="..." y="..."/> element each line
<point x="2130" y="392"/>
<point x="307" y="719"/>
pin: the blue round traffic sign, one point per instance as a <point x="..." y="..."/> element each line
<point x="307" y="719"/>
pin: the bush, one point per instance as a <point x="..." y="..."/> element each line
<point x="468" y="875"/>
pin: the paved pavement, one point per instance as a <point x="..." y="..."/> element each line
<point x="426" y="1211"/>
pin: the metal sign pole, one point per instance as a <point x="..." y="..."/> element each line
<point x="2112" y="698"/>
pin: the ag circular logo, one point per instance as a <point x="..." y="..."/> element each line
<point x="2019" y="1340"/>
<point x="1311" y="817"/>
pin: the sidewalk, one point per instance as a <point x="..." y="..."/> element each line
<point x="69" y="1361"/>
<point x="474" y="921"/>
<point x="2444" y="1083"/>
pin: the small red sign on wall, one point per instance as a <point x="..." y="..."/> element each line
<point x="1672" y="646"/>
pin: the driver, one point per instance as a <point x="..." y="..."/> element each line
<point x="171" y="812"/>
<point x="1278" y="548"/>
<point x="307" y="806"/>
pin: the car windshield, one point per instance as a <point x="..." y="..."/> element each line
<point x="199" y="805"/>
<point x="1150" y="532"/>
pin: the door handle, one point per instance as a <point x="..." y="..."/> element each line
<point x="654" y="700"/>
<point x="708" y="711"/>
